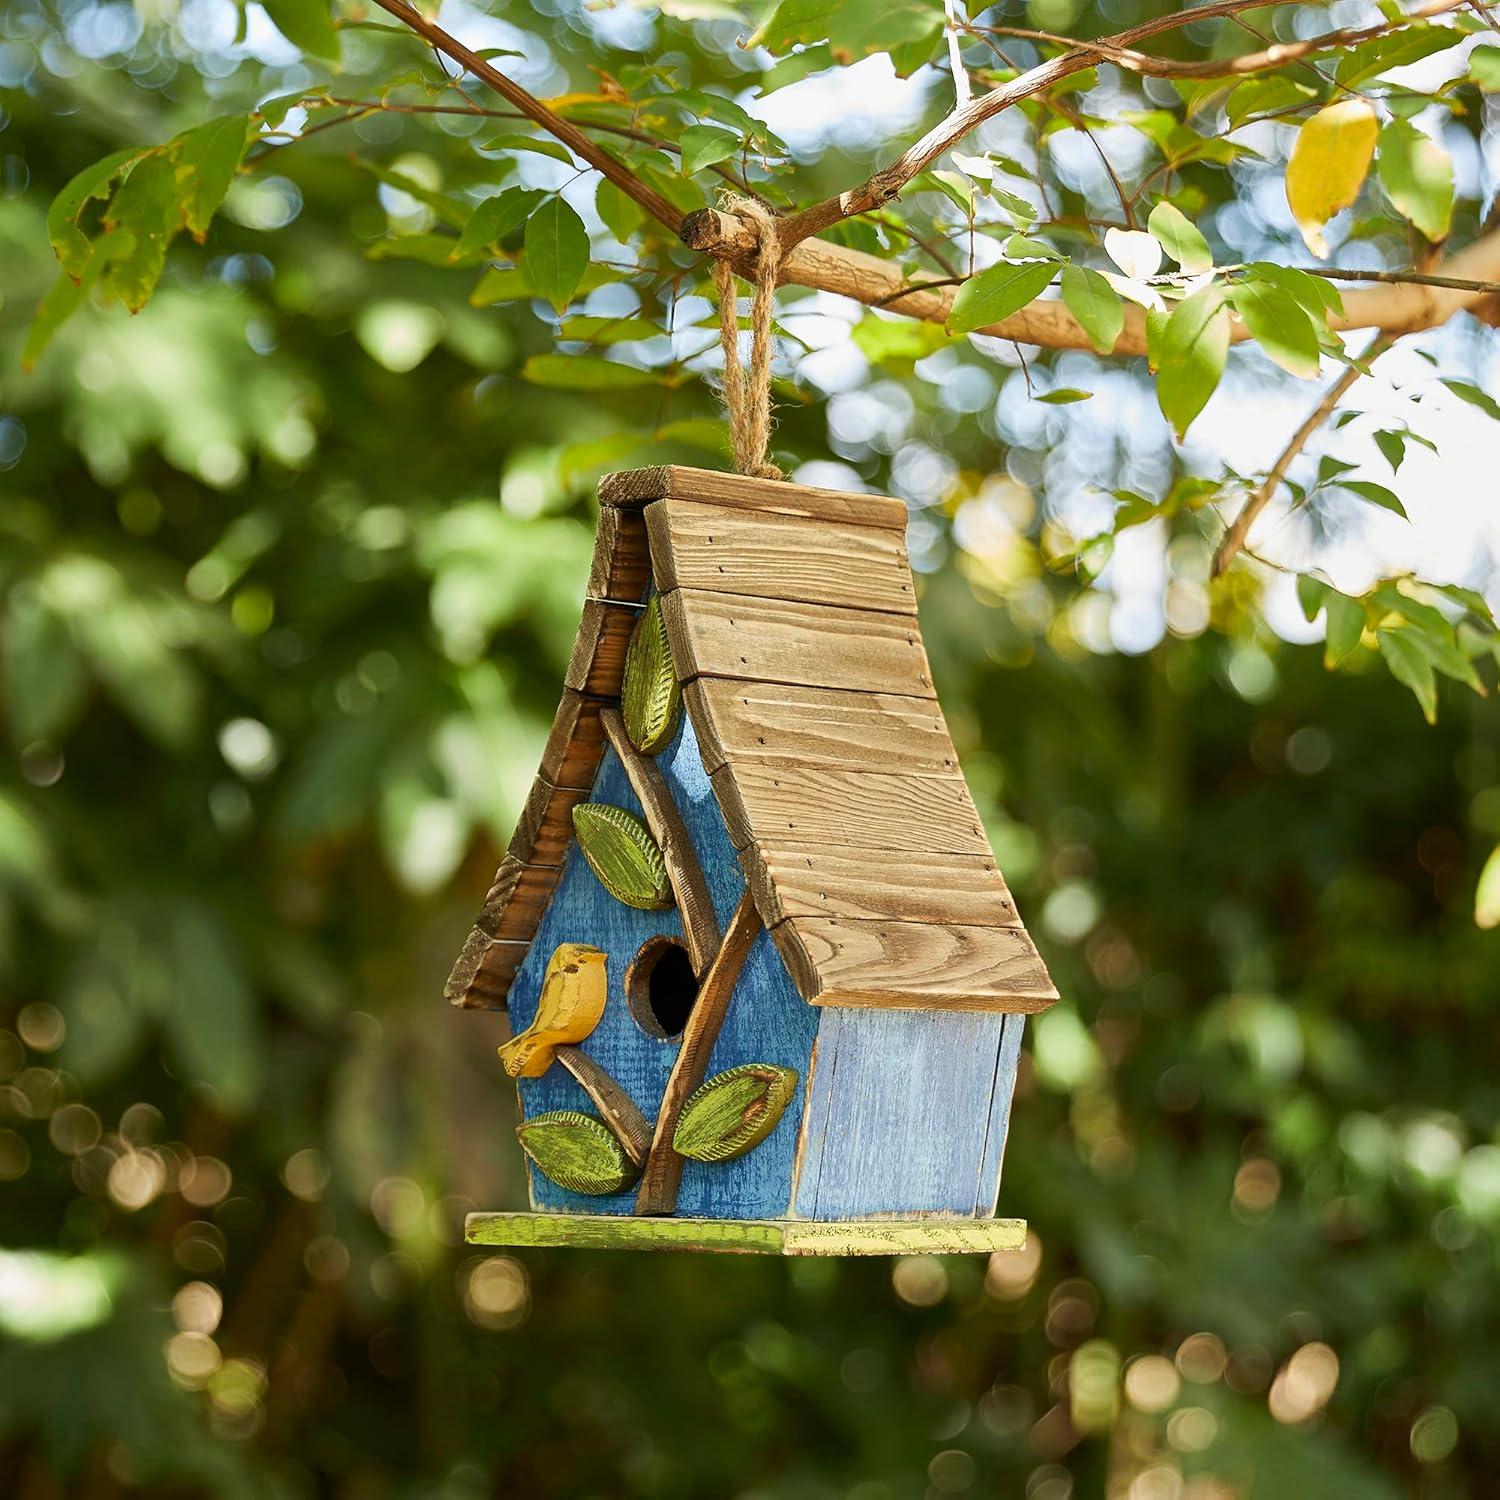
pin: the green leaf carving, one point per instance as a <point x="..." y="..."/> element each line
<point x="624" y="856"/>
<point x="650" y="696"/>
<point x="733" y="1112"/>
<point x="577" y="1152"/>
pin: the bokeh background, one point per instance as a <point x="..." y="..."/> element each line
<point x="291" y="563"/>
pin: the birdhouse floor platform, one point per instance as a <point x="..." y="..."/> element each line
<point x="918" y="1236"/>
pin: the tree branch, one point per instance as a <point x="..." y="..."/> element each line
<point x="1277" y="55"/>
<point x="569" y="134"/>
<point x="1235" y="537"/>
<point x="822" y="266"/>
<point x="888" y="182"/>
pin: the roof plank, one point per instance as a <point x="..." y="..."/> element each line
<point x="817" y="880"/>
<point x="882" y="812"/>
<point x="782" y="724"/>
<point x="771" y="556"/>
<point x="813" y="645"/>
<point x="914" y="965"/>
<point x="637" y="487"/>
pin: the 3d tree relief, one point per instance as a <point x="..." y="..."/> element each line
<point x="759" y="965"/>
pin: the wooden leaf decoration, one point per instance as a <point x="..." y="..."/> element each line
<point x="622" y="853"/>
<point x="577" y="1152"/>
<point x="733" y="1112"/>
<point x="650" y="697"/>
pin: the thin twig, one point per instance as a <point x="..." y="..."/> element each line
<point x="1234" y="538"/>
<point x="962" y="89"/>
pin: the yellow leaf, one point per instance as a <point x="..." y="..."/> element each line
<point x="1330" y="161"/>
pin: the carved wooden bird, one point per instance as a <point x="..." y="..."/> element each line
<point x="571" y="1004"/>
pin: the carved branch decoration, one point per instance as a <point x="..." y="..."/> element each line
<point x="657" y="1193"/>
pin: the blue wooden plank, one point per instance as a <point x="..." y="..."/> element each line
<point x="767" y="1021"/>
<point x="808" y="1166"/>
<point x="987" y="1196"/>
<point x="908" y="1112"/>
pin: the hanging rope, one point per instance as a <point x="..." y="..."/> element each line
<point x="748" y="402"/>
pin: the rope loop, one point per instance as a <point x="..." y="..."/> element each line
<point x="748" y="401"/>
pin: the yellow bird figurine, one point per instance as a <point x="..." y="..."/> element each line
<point x="572" y="1001"/>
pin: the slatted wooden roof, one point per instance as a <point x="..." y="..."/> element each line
<point x="792" y="618"/>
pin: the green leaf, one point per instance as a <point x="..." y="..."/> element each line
<point x="449" y="211"/>
<point x="557" y="251"/>
<point x="1345" y="627"/>
<point x="733" y="1112"/>
<point x="207" y="158"/>
<point x="66" y="296"/>
<point x="1487" y="892"/>
<point x="1392" y="445"/>
<point x="537" y="145"/>
<point x="1411" y="666"/>
<point x="898" y="343"/>
<point x="1180" y="238"/>
<point x="1484" y="68"/>
<point x="1329" y="162"/>
<point x="1096" y="305"/>
<point x="650" y="696"/>
<point x="600" y="330"/>
<point x="577" y="1152"/>
<point x="577" y="372"/>
<point x="703" y="145"/>
<point x="621" y="214"/>
<point x="1312" y="594"/>
<point x="854" y="28"/>
<point x="1065" y="395"/>
<point x="494" y="219"/>
<point x="623" y="856"/>
<point x="1281" y="326"/>
<point x="1265" y="95"/>
<point x="997" y="293"/>
<point x="1397" y="49"/>
<point x="69" y="242"/>
<point x="307" y="24"/>
<point x="1316" y="293"/>
<point x="146" y="207"/>
<point x="1376" y="494"/>
<point x="1417" y="175"/>
<point x="1465" y="391"/>
<point x="212" y="1017"/>
<point x="46" y="685"/>
<point x="1189" y="356"/>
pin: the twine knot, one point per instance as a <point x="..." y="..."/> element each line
<point x="748" y="402"/>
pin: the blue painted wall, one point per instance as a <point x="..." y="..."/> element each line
<point x="768" y="1021"/>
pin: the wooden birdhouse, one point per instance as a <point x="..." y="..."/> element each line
<point x="765" y="982"/>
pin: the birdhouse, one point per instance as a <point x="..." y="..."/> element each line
<point x="765" y="982"/>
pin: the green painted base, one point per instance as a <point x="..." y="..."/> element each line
<point x="749" y="1236"/>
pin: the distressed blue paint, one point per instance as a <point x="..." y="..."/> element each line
<point x="988" y="1195"/>
<point x="767" y="1020"/>
<point x="907" y="1110"/>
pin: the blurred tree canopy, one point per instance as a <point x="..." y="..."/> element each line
<point x="291" y="563"/>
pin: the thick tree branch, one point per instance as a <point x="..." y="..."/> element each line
<point x="1239" y="531"/>
<point x="1402" y="308"/>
